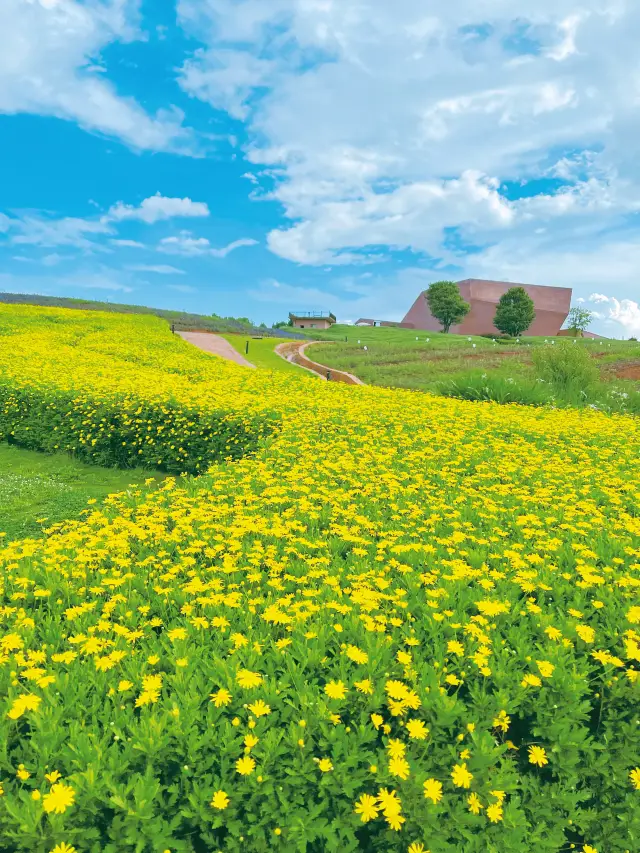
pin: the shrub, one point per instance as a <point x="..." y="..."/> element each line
<point x="488" y="387"/>
<point x="567" y="366"/>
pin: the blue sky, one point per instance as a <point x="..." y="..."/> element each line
<point x="250" y="157"/>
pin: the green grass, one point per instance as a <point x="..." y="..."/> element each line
<point x="395" y="359"/>
<point x="39" y="489"/>
<point x="262" y="352"/>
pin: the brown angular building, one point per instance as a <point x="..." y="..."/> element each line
<point x="551" y="303"/>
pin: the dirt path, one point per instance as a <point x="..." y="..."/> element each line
<point x="295" y="353"/>
<point x="215" y="345"/>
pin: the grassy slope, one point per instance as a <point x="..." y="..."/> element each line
<point x="262" y="352"/>
<point x="37" y="486"/>
<point x="394" y="358"/>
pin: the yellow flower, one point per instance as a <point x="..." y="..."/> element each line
<point x="259" y="708"/>
<point x="589" y="849"/>
<point x="377" y="720"/>
<point x="325" y="765"/>
<point x="461" y="776"/>
<point x="220" y="697"/>
<point x="59" y="798"/>
<point x="220" y="800"/>
<point x="53" y="776"/>
<point x="22" y="773"/>
<point x="432" y="790"/>
<point x="63" y="847"/>
<point x="545" y="668"/>
<point x="399" y="767"/>
<point x="634" y="776"/>
<point x="245" y="765"/>
<point x="474" y="803"/>
<point x="357" y="655"/>
<point x="502" y="721"/>
<point x="335" y="690"/>
<point x="27" y="702"/>
<point x="396" y="748"/>
<point x="417" y="730"/>
<point x="364" y="686"/>
<point x="247" y="679"/>
<point x="36" y="795"/>
<point x="124" y="685"/>
<point x="250" y="741"/>
<point x="494" y="812"/>
<point x="530" y="681"/>
<point x="538" y="756"/>
<point x="367" y="808"/>
<point x="417" y="847"/>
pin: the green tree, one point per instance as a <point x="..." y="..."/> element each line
<point x="446" y="304"/>
<point x="283" y="324"/>
<point x="515" y="312"/>
<point x="579" y="319"/>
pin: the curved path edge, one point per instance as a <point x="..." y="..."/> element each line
<point x="215" y="345"/>
<point x="295" y="353"/>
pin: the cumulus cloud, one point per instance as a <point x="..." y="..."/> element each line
<point x="158" y="207"/>
<point x="358" y="111"/>
<point x="46" y="68"/>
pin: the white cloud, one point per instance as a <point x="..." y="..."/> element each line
<point x="361" y="111"/>
<point x="156" y="208"/>
<point x="47" y="49"/>
<point x="68" y="231"/>
<point x="159" y="269"/>
<point x="129" y="244"/>
<point x="185" y="244"/>
<point x="626" y="312"/>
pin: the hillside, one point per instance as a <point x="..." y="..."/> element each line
<point x="378" y="620"/>
<point x="181" y="320"/>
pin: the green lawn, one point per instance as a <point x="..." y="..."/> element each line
<point x="39" y="489"/>
<point x="262" y="352"/>
<point x="394" y="358"/>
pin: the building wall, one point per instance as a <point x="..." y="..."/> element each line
<point x="551" y="303"/>
<point x="312" y="324"/>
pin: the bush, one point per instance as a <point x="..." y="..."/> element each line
<point x="567" y="367"/>
<point x="497" y="389"/>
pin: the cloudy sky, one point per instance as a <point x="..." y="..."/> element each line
<point x="249" y="157"/>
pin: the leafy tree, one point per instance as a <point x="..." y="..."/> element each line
<point x="579" y="319"/>
<point x="446" y="304"/>
<point x="283" y="324"/>
<point x="515" y="312"/>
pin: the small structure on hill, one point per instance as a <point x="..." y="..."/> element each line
<point x="365" y="321"/>
<point x="312" y="319"/>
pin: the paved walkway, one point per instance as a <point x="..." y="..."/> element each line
<point x="216" y="345"/>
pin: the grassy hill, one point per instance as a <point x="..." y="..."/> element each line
<point x="182" y="320"/>
<point x="478" y="367"/>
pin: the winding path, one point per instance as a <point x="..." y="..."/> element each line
<point x="295" y="353"/>
<point x="214" y="344"/>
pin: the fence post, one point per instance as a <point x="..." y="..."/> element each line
<point x="246" y="348"/>
<point x="328" y="376"/>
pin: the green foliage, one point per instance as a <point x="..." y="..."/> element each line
<point x="446" y="304"/>
<point x="579" y="319"/>
<point x="567" y="366"/>
<point x="496" y="388"/>
<point x="40" y="489"/>
<point x="515" y="312"/>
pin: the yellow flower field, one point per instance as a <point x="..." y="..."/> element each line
<point x="382" y="621"/>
